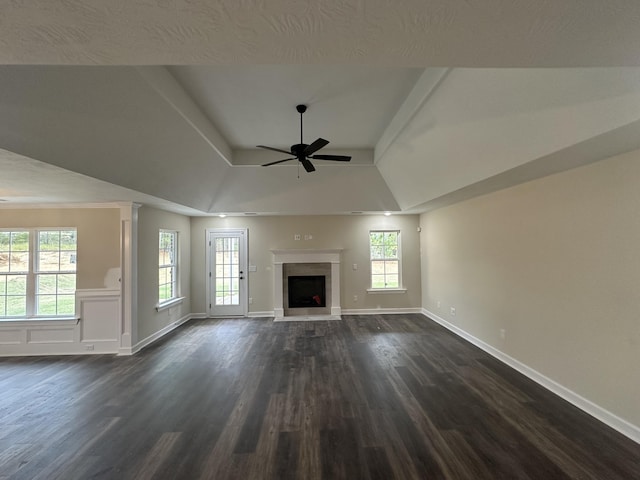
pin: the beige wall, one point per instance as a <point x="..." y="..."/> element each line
<point x="98" y="236"/>
<point x="350" y="233"/>
<point x="556" y="263"/>
<point x="150" y="221"/>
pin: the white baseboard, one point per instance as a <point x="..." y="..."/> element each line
<point x="379" y="311"/>
<point x="353" y="311"/>
<point x="266" y="313"/>
<point x="156" y="336"/>
<point x="624" y="427"/>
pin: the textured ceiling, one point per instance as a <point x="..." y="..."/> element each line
<point x="387" y="82"/>
<point x="488" y="33"/>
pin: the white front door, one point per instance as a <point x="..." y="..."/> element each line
<point x="227" y="293"/>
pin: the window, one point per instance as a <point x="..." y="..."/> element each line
<point x="168" y="266"/>
<point x="37" y="273"/>
<point x="14" y="269"/>
<point x="384" y="246"/>
<point x="56" y="272"/>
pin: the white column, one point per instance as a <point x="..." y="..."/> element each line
<point x="128" y="331"/>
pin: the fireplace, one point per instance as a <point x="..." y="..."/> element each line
<point x="306" y="291"/>
<point x="309" y="278"/>
<point x="305" y="264"/>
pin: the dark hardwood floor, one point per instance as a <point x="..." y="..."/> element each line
<point x="369" y="397"/>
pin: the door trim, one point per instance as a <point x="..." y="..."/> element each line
<point x="244" y="264"/>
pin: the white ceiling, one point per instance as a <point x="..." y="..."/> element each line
<point x="377" y="77"/>
<point x="255" y="104"/>
<point x="33" y="182"/>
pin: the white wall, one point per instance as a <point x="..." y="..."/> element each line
<point x="555" y="263"/>
<point x="150" y="221"/>
<point x="348" y="232"/>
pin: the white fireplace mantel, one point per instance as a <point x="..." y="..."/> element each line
<point x="280" y="257"/>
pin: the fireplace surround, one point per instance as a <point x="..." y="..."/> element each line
<point x="303" y="263"/>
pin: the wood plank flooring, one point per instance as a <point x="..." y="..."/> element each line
<point x="369" y="397"/>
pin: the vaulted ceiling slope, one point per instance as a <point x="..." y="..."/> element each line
<point x="477" y="124"/>
<point x="103" y="110"/>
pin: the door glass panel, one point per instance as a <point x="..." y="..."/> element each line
<point x="227" y="269"/>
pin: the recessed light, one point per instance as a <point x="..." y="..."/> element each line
<point x="386" y="214"/>
<point x="222" y="215"/>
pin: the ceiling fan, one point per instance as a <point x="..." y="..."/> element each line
<point x="303" y="152"/>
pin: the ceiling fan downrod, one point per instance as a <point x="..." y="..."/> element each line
<point x="301" y="109"/>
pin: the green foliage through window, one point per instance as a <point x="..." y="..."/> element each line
<point x="167" y="266"/>
<point x="385" y="258"/>
<point x="38" y="272"/>
<point x="227" y="264"/>
<point x="56" y="279"/>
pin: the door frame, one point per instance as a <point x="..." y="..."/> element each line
<point x="244" y="264"/>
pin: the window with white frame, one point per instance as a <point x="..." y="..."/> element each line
<point x="384" y="247"/>
<point x="38" y="272"/>
<point x="168" y="266"/>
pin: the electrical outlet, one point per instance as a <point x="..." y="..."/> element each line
<point x="453" y="311"/>
<point x="503" y="333"/>
<point x="88" y="348"/>
<point x="355" y="298"/>
<point x="250" y="300"/>
<point x="296" y="236"/>
<point x="355" y="266"/>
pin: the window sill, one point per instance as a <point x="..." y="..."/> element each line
<point x="169" y="303"/>
<point x="39" y="321"/>
<point x="386" y="290"/>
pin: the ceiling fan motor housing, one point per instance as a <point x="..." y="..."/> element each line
<point x="298" y="149"/>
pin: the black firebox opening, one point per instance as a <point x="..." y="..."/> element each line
<point x="306" y="291"/>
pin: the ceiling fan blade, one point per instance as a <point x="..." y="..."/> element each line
<point x="335" y="158"/>
<point x="315" y="146"/>
<point x="274" y="149"/>
<point x="308" y="166"/>
<point x="278" y="161"/>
